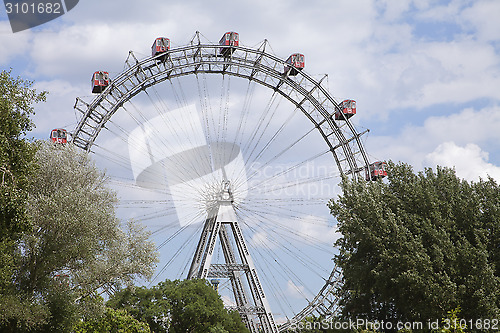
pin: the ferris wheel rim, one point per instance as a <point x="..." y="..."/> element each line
<point x="198" y="58"/>
<point x="84" y="138"/>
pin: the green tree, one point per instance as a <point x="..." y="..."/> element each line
<point x="144" y="304"/>
<point x="16" y="167"/>
<point x="60" y="241"/>
<point x="197" y="307"/>
<point x="113" y="321"/>
<point x="77" y="232"/>
<point x="418" y="245"/>
<point x="179" y="306"/>
<point x="76" y="246"/>
<point x="454" y="324"/>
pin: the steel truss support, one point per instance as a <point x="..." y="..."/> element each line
<point x="222" y="223"/>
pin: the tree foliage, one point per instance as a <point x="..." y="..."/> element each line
<point x="16" y="164"/>
<point x="179" y="306"/>
<point x="76" y="246"/>
<point x="113" y="321"/>
<point x="418" y="245"/>
<point x="60" y="240"/>
<point x="16" y="167"/>
<point x="77" y="232"/>
<point x="144" y="304"/>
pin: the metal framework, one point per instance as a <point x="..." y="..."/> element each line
<point x="219" y="219"/>
<point x="257" y="65"/>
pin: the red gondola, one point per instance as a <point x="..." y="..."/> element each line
<point x="347" y="110"/>
<point x="100" y="80"/>
<point x="230" y="38"/>
<point x="377" y="170"/>
<point x="59" y="135"/>
<point x="295" y="63"/>
<point x="160" y="45"/>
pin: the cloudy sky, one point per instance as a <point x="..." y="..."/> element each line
<point x="425" y="74"/>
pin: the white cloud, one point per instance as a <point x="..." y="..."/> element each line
<point x="429" y="73"/>
<point x="392" y="10"/>
<point x="469" y="161"/>
<point x="468" y="125"/>
<point x="370" y="52"/>
<point x="260" y="240"/>
<point x="464" y="71"/>
<point x="442" y="13"/>
<point x="75" y="52"/>
<point x="295" y="291"/>
<point x="414" y="144"/>
<point x="483" y="17"/>
<point x="318" y="229"/>
<point x="13" y="45"/>
<point x="58" y="110"/>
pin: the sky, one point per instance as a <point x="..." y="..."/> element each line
<point x="425" y="74"/>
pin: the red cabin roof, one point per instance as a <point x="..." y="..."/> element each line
<point x="100" y="80"/>
<point x="347" y="110"/>
<point x="230" y="38"/>
<point x="295" y="62"/>
<point x="377" y="170"/>
<point x="160" y="45"/>
<point x="59" y="135"/>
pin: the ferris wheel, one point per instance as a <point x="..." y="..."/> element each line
<point x="229" y="154"/>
